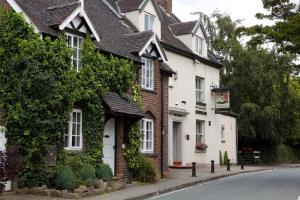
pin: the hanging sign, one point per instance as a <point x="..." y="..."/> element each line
<point x="222" y="99"/>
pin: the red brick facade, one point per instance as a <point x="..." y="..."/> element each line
<point x="4" y="4"/>
<point x="152" y="107"/>
<point x="155" y="104"/>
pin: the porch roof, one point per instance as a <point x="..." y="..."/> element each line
<point x="119" y="106"/>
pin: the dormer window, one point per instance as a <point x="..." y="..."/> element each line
<point x="75" y="42"/>
<point x="199" y="45"/>
<point x="149" y="22"/>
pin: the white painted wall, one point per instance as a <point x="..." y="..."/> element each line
<point x="183" y="89"/>
<point x="230" y="139"/>
<point x="137" y="18"/>
<point x="190" y="41"/>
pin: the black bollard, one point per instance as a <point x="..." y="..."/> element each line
<point x="228" y="165"/>
<point x="212" y="168"/>
<point x="194" y="169"/>
<point x="242" y="164"/>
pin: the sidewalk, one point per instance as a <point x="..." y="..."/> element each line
<point x="178" y="179"/>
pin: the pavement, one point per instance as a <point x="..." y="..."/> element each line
<point x="178" y="179"/>
<point x="276" y="184"/>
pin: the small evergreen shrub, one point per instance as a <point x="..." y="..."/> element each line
<point x="87" y="172"/>
<point x="220" y="158"/>
<point x="145" y="172"/>
<point x="65" y="179"/>
<point x="104" y="172"/>
<point x="225" y="160"/>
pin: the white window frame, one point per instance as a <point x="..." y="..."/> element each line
<point x="76" y="61"/>
<point x="200" y="133"/>
<point x="144" y="130"/>
<point x="149" y="21"/>
<point x="147" y="74"/>
<point x="200" y="91"/>
<point x="69" y="135"/>
<point x="199" y="43"/>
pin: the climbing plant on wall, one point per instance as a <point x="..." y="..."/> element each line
<point x="39" y="90"/>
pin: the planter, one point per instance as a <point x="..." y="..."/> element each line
<point x="201" y="147"/>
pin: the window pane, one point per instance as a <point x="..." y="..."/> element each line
<point x="75" y="44"/>
<point x="73" y="129"/>
<point x="73" y="141"/>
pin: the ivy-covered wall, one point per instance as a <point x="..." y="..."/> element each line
<point x="39" y="90"/>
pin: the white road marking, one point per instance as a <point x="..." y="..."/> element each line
<point x="171" y="193"/>
<point x="298" y="198"/>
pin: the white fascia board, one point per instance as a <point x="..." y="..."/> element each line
<point x="79" y="11"/>
<point x="155" y="42"/>
<point x="68" y="20"/>
<point x="196" y="26"/>
<point x="18" y="9"/>
<point x="89" y="22"/>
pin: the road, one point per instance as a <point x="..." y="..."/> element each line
<point x="278" y="184"/>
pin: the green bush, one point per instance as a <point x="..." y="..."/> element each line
<point x="145" y="172"/>
<point x="104" y="172"/>
<point x="225" y="160"/>
<point x="65" y="179"/>
<point x="87" y="172"/>
<point x="220" y="158"/>
<point x="281" y="153"/>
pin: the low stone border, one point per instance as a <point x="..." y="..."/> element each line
<point x="81" y="192"/>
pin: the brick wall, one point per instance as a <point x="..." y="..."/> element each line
<point x="4" y="4"/>
<point x="152" y="106"/>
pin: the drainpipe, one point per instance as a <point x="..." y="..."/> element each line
<point x="162" y="128"/>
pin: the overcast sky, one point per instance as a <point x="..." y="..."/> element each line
<point x="238" y="9"/>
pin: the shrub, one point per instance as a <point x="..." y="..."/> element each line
<point x="225" y="160"/>
<point x="220" y="158"/>
<point x="145" y="172"/>
<point x="65" y="179"/>
<point x="87" y="172"/>
<point x="104" y="172"/>
<point x="3" y="169"/>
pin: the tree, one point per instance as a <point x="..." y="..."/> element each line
<point x="259" y="80"/>
<point x="285" y="32"/>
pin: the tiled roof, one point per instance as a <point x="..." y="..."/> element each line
<point x="183" y="28"/>
<point x="136" y="41"/>
<point x="166" y="68"/>
<point x="57" y="14"/>
<point x="45" y="14"/>
<point x="129" y="5"/>
<point x="117" y="105"/>
<point x="166" y="34"/>
<point x="111" y="29"/>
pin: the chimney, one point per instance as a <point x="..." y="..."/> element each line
<point x="167" y="4"/>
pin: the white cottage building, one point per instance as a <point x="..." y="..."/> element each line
<point x="193" y="119"/>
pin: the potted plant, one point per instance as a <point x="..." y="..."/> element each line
<point x="201" y="147"/>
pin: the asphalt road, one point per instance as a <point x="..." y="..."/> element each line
<point x="279" y="184"/>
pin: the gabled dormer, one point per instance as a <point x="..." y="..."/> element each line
<point x="193" y="35"/>
<point x="143" y="14"/>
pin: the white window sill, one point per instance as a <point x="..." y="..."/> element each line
<point x="73" y="149"/>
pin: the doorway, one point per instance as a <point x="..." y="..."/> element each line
<point x="109" y="138"/>
<point x="177" y="143"/>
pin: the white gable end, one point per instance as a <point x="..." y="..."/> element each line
<point x="78" y="24"/>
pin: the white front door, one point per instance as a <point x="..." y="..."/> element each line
<point x="3" y="148"/>
<point x="109" y="144"/>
